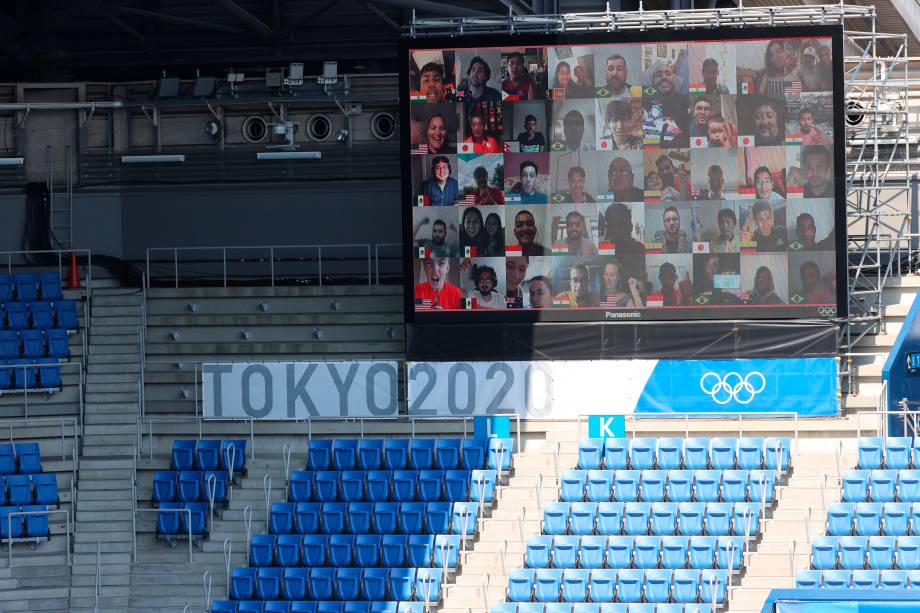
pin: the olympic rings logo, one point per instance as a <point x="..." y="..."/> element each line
<point x="732" y="386"/>
<point x="827" y="311"/>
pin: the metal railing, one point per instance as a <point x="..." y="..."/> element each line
<point x="134" y="535"/>
<point x="98" y="573"/>
<point x="11" y="539"/>
<point x="909" y="418"/>
<point x="30" y="422"/>
<point x="200" y="421"/>
<point x="66" y="368"/>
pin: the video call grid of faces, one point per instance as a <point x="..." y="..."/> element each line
<point x="636" y="176"/>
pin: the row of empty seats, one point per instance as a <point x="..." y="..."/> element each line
<point x="623" y="585"/>
<point x="328" y="606"/>
<point x="881" y="485"/>
<point x="209" y="455"/>
<point x="873" y="552"/>
<point x="39" y="315"/>
<point x="660" y="518"/>
<point x="22" y="490"/>
<point x="374" y="517"/>
<point x="24" y="526"/>
<point x="29" y="286"/>
<point x="673" y="485"/>
<point x="25" y="488"/>
<point x="34" y="344"/>
<point x="173" y="519"/>
<point x="397" y="485"/>
<point x="20" y="458"/>
<point x="191" y="486"/>
<point x="604" y="607"/>
<point x="40" y="373"/>
<point x="293" y="583"/>
<point x="873" y="518"/>
<point x="894" y="452"/>
<point x="858" y="579"/>
<point x="363" y="550"/>
<point x="634" y="552"/>
<point x="409" y="453"/>
<point x="691" y="453"/>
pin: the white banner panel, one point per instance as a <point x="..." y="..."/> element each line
<point x="296" y="390"/>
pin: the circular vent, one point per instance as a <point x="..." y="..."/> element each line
<point x="255" y="129"/>
<point x="383" y="126"/>
<point x="319" y="127"/>
<point x="854" y="114"/>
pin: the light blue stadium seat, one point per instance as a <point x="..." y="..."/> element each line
<point x="370" y="454"/>
<point x="893" y="580"/>
<point x="437" y="517"/>
<point x="642" y="453"/>
<point x="615" y="607"/>
<point x="664" y="518"/>
<point x="808" y="579"/>
<point x="585" y="607"/>
<point x="652" y="485"/>
<point x="641" y="607"/>
<point x="421" y="453"/>
<point x="396" y="453"/>
<point x="332" y="517"/>
<point x="374" y="583"/>
<point x="699" y="608"/>
<point x="357" y="606"/>
<point x="636" y="517"/>
<point x="746" y="519"/>
<point x="658" y="585"/>
<point x="630" y="584"/>
<point x="777" y="453"/>
<point x="723" y="453"/>
<point x="420" y="550"/>
<point x="556" y="517"/>
<point x="915" y="518"/>
<point x="898" y="452"/>
<point x="446" y="550"/>
<point x="326" y="485"/>
<point x="457" y="485"/>
<point x="702" y="551"/>
<point x="287" y="550"/>
<point x="616" y="453"/>
<point x="670" y="453"/>
<point x="762" y="486"/>
<point x="520" y="585"/>
<point x="474" y="454"/>
<point x="341" y="549"/>
<point x="281" y="518"/>
<point x="411" y="607"/>
<point x="262" y="550"/>
<point x="868" y="517"/>
<point x="592" y="552"/>
<point x="572" y="488"/>
<point x="735" y="485"/>
<point x="750" y="453"/>
<point x="864" y="579"/>
<point x="345" y="454"/>
<point x="600" y="485"/>
<point x="824" y="552"/>
<point x="590" y="453"/>
<point x="883" y="485"/>
<point x="558" y="607"/>
<point x="482" y="485"/>
<point x="268" y="583"/>
<point x="359" y="517"/>
<point x="690" y="517"/>
<point x="242" y="583"/>
<point x="909" y="485"/>
<point x="871" y="452"/>
<point x="696" y="453"/>
<point x="880" y="552"/>
<point x="531" y="607"/>
<point x="626" y="485"/>
<point x="855" y="486"/>
<point x="367" y="550"/>
<point x="306" y="517"/>
<point x="322" y="583"/>
<point x="713" y="585"/>
<point x="718" y="518"/>
<point x="565" y="551"/>
<point x="708" y="486"/>
<point x="463" y="518"/>
<point x="575" y="585"/>
<point x="584" y="516"/>
<point x="405" y="484"/>
<point x="674" y="551"/>
<point x="504" y="607"/>
<point x="499" y="453"/>
<point x="165" y="485"/>
<point x="853" y="552"/>
<point x="319" y="454"/>
<point x="610" y="517"/>
<point x="686" y="586"/>
<point x="348" y="583"/>
<point x="680" y="485"/>
<point x="603" y="585"/>
<point x="547" y="584"/>
<point x="729" y="552"/>
<point x="895" y="518"/>
<point x="836" y="579"/>
<point x="351" y="484"/>
<point x="620" y="551"/>
<point x="378" y="484"/>
<point x="411" y="517"/>
<point x="315" y="549"/>
<point x="647" y="552"/>
<point x="447" y="453"/>
<point x="908" y="552"/>
<point x="431" y="485"/>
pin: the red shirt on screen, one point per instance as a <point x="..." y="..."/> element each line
<point x="447" y="298"/>
<point x="486" y="145"/>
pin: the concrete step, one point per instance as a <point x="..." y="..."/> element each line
<point x="115" y="320"/>
<point x="111" y="397"/>
<point x="129" y="352"/>
<point x="112" y="408"/>
<point x="109" y="429"/>
<point x="108" y="451"/>
<point x="111" y="504"/>
<point x="93" y="378"/>
<point x="117" y="368"/>
<point x="107" y="419"/>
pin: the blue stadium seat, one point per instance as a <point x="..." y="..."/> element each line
<point x="746" y="519"/>
<point x="36" y="525"/>
<point x="351" y="485"/>
<point x="49" y="282"/>
<point x="167" y="523"/>
<point x="315" y="549"/>
<point x="319" y="454"/>
<point x="216" y="483"/>
<point x="864" y="579"/>
<point x="190" y="486"/>
<point x="20" y="490"/>
<point x="670" y="453"/>
<point x="702" y="551"/>
<point x="24" y="375"/>
<point x="359" y="517"/>
<point x="341" y="549"/>
<point x="306" y="517"/>
<point x="9" y="344"/>
<point x="281" y="518"/>
<point x="734" y="485"/>
<point x="183" y="455"/>
<point x="447" y="453"/>
<point x="592" y="552"/>
<point x="309" y="606"/>
<point x="572" y="488"/>
<point x="686" y="585"/>
<point x="457" y="485"/>
<point x="556" y="518"/>
<point x="824" y="552"/>
<point x="463" y="518"/>
<point x="616" y="453"/>
<point x="565" y="551"/>
<point x="276" y="606"/>
<point x="893" y="580"/>
<point x="430" y="485"/>
<point x="233" y="455"/>
<point x="908" y="552"/>
<point x="6" y="287"/>
<point x="600" y="485"/>
<point x="909" y="485"/>
<point x="66" y="313"/>
<point x="401" y="583"/>
<point x="898" y="452"/>
<point x="348" y="583"/>
<point x="330" y="606"/>
<point x="33" y="344"/>
<point x="242" y="583"/>
<point x="647" y="551"/>
<point x="762" y="486"/>
<point x="895" y="518"/>
<point x="636" y="517"/>
<point x="680" y="485"/>
<point x="642" y="453"/>
<point x="367" y="550"/>
<point x="405" y="484"/>
<point x="690" y="517"/>
<point x="262" y="550"/>
<point x="411" y="517"/>
<point x="603" y="585"/>
<point x="26" y="286"/>
<point x="836" y="579"/>
<point x="446" y="550"/>
<point x="29" y="458"/>
<point x="301" y="486"/>
<point x="610" y="517"/>
<point x="322" y="583"/>
<point x="437" y="517"/>
<point x="652" y="485"/>
<point x="713" y="585"/>
<point x="428" y="585"/>
<point x="750" y="453"/>
<point x="880" y="552"/>
<point x="396" y="453"/>
<point x="584" y="517"/>
<point x="165" y="485"/>
<point x="557" y="607"/>
<point x="199" y="518"/>
<point x="370" y="454"/>
<point x="326" y="485"/>
<point x="696" y="453"/>
<point x="883" y="485"/>
<point x="590" y="453"/>
<point x="723" y="453"/>
<point x="575" y="585"/>
<point x="378" y="485"/>
<point x="620" y="551"/>
<point x="223" y="606"/>
<point x="708" y="485"/>
<point x="268" y="583"/>
<point x="499" y="453"/>
<point x="374" y="583"/>
<point x="855" y="486"/>
<point x="718" y="518"/>
<point x="777" y="453"/>
<point x="674" y="551"/>
<point x="915" y="518"/>
<point x="868" y="518"/>
<point x="421" y="453"/>
<point x="411" y="607"/>
<point x="626" y="485"/>
<point x="729" y="552"/>
<point x="287" y="551"/>
<point x="630" y="584"/>
<point x="474" y="454"/>
<point x="547" y="584"/>
<point x="664" y="518"/>
<point x="482" y="485"/>
<point x="332" y="517"/>
<point x="393" y="550"/>
<point x="344" y="453"/>
<point x="49" y="373"/>
<point x="808" y="579"/>
<point x="658" y="585"/>
<point x="853" y="552"/>
<point x="520" y="585"/>
<point x="871" y="452"/>
<point x="58" y="344"/>
<point x="46" y="489"/>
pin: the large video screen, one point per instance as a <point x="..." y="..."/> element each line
<point x="678" y="175"/>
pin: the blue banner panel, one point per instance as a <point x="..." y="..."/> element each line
<point x="807" y="386"/>
<point x="606" y="426"/>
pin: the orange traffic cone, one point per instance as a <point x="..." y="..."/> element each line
<point x="73" y="280"/>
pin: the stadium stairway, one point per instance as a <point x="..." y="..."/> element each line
<point x="104" y="506"/>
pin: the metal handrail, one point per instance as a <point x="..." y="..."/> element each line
<point x="98" y="573"/>
<point x="267" y="491"/>
<point x="247" y="529"/>
<point x="808" y="525"/>
<point x="907" y="415"/>
<point x="63" y="421"/>
<point x="73" y="364"/>
<point x="151" y="419"/>
<point x="538" y="481"/>
<point x="9" y="528"/>
<point x="286" y="456"/>
<point x="522" y="515"/>
<point x="206" y="579"/>
<point x="792" y="557"/>
<point x="189" y="511"/>
<point x="485" y="591"/>
<point x="211" y="488"/>
<point x="228" y="552"/>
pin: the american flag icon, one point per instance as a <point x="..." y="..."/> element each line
<point x="468" y="199"/>
<point x="423" y="304"/>
<point x="792" y="87"/>
<point x="421" y="149"/>
<point x="608" y="304"/>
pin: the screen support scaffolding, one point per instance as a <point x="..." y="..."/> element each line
<point x="882" y="243"/>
